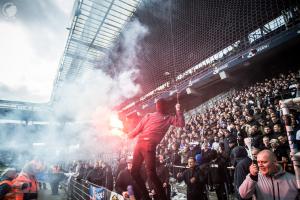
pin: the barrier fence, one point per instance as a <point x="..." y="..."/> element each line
<point x="84" y="190"/>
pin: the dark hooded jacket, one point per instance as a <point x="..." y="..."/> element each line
<point x="241" y="163"/>
<point x="195" y="191"/>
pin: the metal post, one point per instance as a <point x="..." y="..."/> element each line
<point x="289" y="131"/>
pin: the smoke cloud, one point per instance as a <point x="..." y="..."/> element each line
<point x="79" y="127"/>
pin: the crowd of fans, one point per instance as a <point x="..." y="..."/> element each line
<point x="253" y="112"/>
<point x="211" y="145"/>
<point x="218" y="134"/>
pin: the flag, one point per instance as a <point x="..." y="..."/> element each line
<point x="97" y="193"/>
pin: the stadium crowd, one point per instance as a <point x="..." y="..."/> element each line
<point x="215" y="139"/>
<point x="211" y="153"/>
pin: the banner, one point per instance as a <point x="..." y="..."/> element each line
<point x="115" y="196"/>
<point x="97" y="193"/>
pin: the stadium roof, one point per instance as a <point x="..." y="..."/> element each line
<point x="184" y="35"/>
<point x="95" y="27"/>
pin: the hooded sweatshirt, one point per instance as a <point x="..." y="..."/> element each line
<point x="241" y="162"/>
<point x="280" y="186"/>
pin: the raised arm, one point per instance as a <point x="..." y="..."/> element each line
<point x="247" y="188"/>
<point x="178" y="120"/>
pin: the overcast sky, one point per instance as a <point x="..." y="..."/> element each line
<point x="31" y="45"/>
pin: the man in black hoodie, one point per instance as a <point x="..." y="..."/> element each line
<point x="217" y="174"/>
<point x="241" y="164"/>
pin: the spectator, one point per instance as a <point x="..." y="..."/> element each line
<point x="217" y="175"/>
<point x="191" y="177"/>
<point x="256" y="136"/>
<point x="283" y="141"/>
<point x="266" y="143"/>
<point x="215" y="144"/>
<point x="27" y="175"/>
<point x="277" y="131"/>
<point x="6" y="183"/>
<point x="279" y="151"/>
<point x="95" y="175"/>
<point x="264" y="180"/>
<point x="269" y="132"/>
<point x="241" y="164"/>
<point x="163" y="174"/>
<point x="56" y="176"/>
<point x="86" y="169"/>
<point x="122" y="165"/>
<point x="205" y="153"/>
<point x="79" y="172"/>
<point x="229" y="141"/>
<point x="107" y="176"/>
<point x="125" y="179"/>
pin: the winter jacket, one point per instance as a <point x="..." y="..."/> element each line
<point x="240" y="174"/>
<point x="107" y="177"/>
<point x="123" y="180"/>
<point x="32" y="191"/>
<point x="154" y="126"/>
<point x="281" y="186"/>
<point x="5" y="189"/>
<point x="217" y="172"/>
<point x="195" y="191"/>
<point x="95" y="176"/>
<point x="163" y="174"/>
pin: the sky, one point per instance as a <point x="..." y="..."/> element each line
<point x="33" y="36"/>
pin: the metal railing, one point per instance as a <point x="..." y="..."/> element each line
<point x="85" y="190"/>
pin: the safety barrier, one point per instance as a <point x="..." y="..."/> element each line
<point x="84" y="190"/>
<point x="175" y="169"/>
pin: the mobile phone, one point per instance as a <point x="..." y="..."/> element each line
<point x="254" y="162"/>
